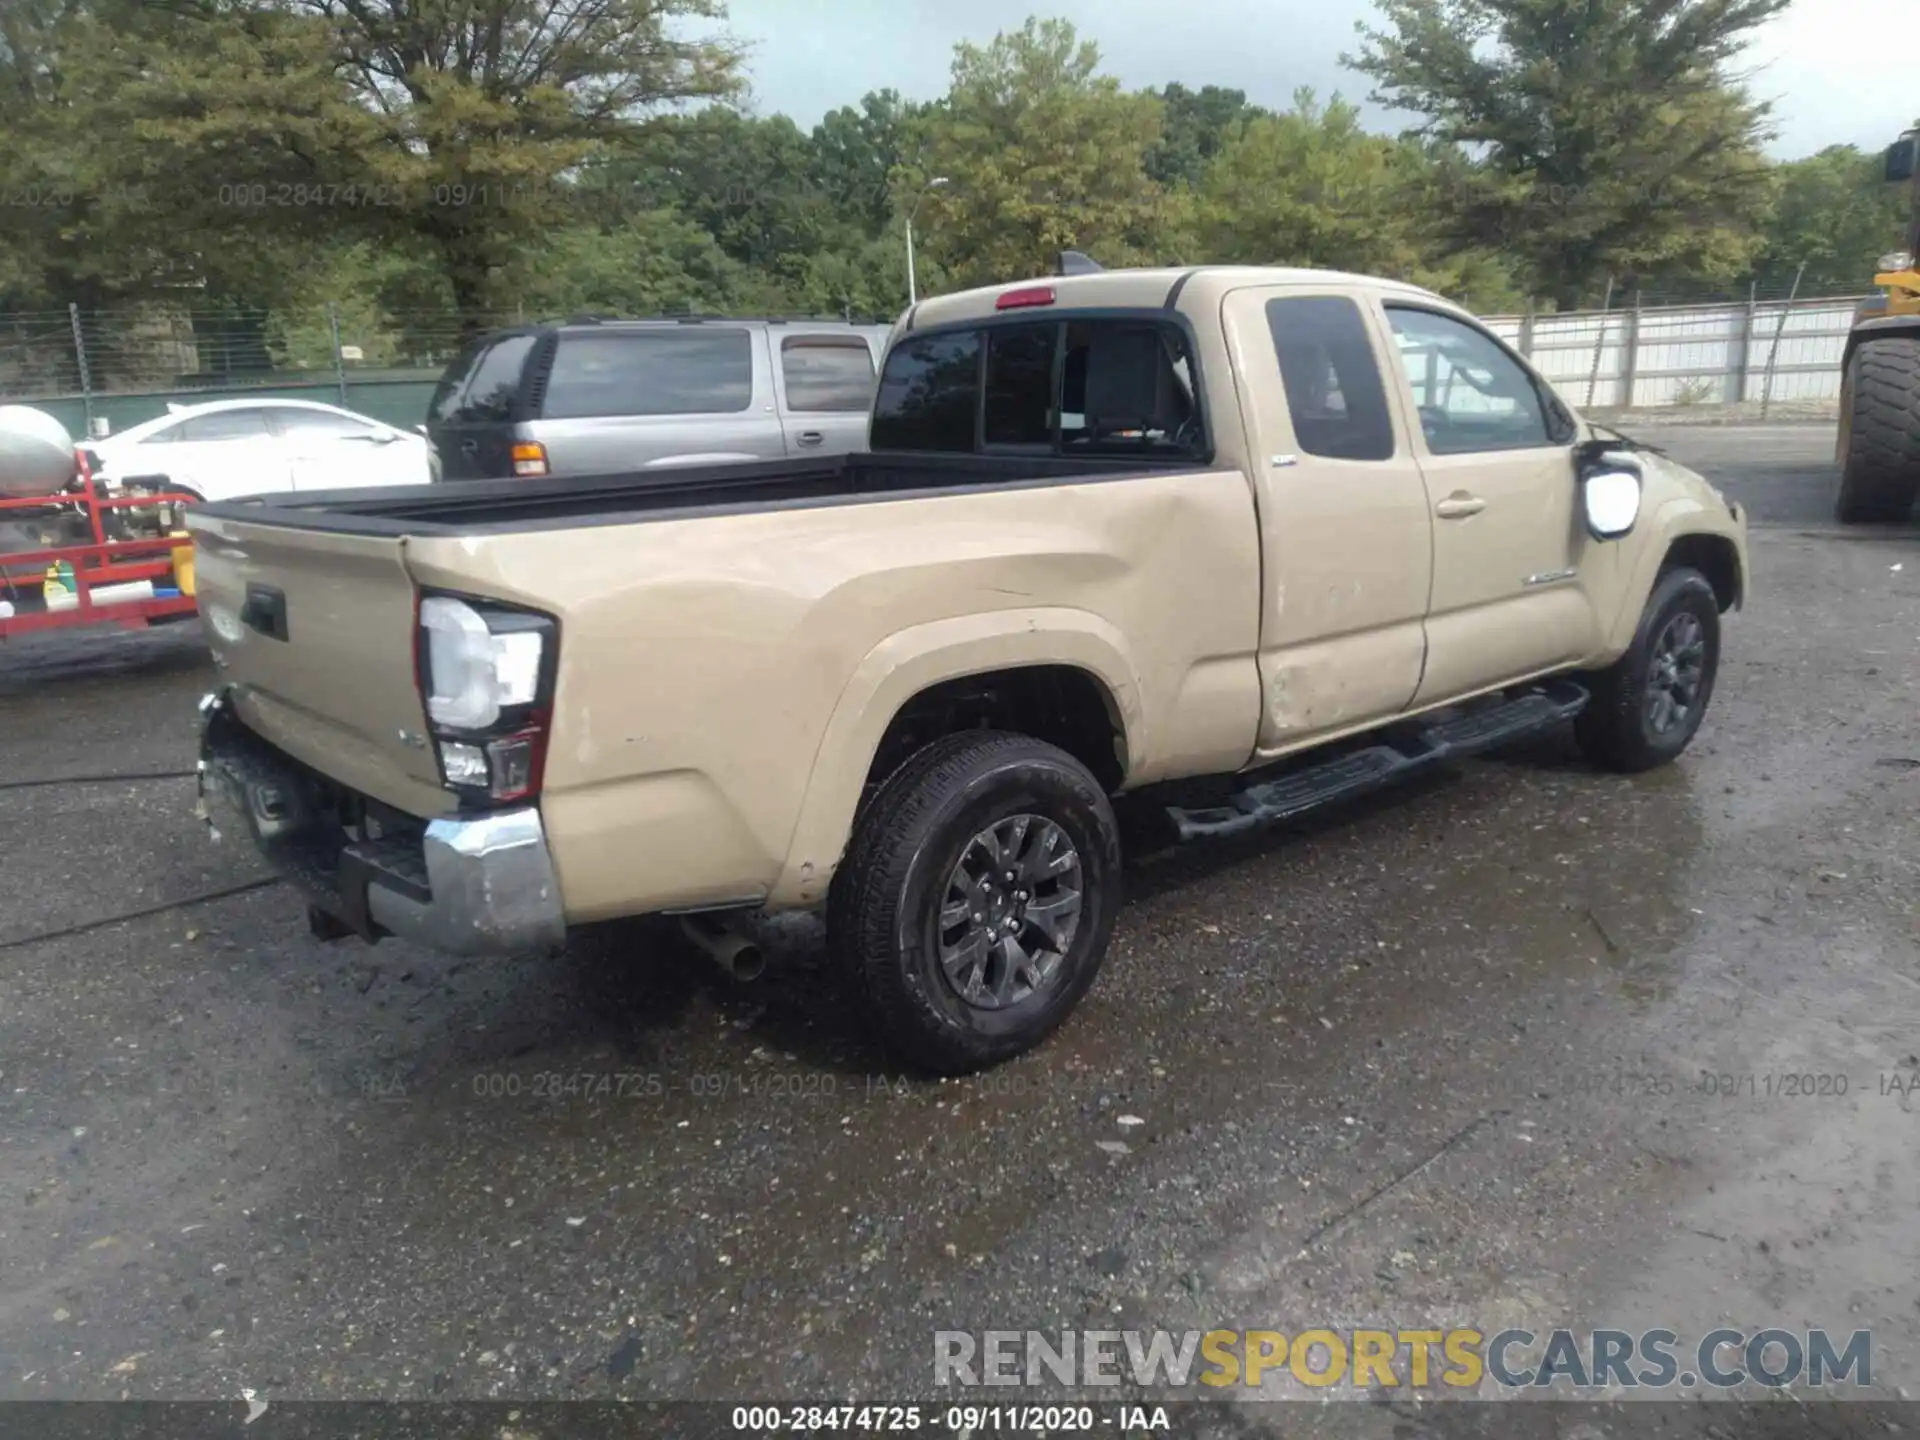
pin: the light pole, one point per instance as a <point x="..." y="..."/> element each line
<point x="913" y="291"/>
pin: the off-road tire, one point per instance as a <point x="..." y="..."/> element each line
<point x="1615" y="731"/>
<point x="883" y="907"/>
<point x="1880" y="460"/>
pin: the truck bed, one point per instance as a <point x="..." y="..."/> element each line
<point x="496" y="506"/>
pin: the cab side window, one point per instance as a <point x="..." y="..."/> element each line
<point x="1334" y="391"/>
<point x="1472" y="395"/>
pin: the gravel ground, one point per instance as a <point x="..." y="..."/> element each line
<point x="1436" y="1058"/>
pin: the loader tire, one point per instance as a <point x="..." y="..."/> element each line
<point x="1880" y="460"/>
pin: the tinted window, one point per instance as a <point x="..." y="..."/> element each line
<point x="290" y="420"/>
<point x="827" y="374"/>
<point x="1020" y="384"/>
<point x="1472" y="394"/>
<point x="929" y="394"/>
<point x="690" y="371"/>
<point x="1128" y="388"/>
<point x="1334" y="393"/>
<point x="453" y="384"/>
<point x="224" y="425"/>
<point x="489" y="395"/>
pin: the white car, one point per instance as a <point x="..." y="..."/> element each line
<point x="228" y="448"/>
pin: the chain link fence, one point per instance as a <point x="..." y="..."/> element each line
<point x="107" y="370"/>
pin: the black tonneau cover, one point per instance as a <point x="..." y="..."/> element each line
<point x="474" y="507"/>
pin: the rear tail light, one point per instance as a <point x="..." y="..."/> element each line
<point x="486" y="677"/>
<point x="529" y="460"/>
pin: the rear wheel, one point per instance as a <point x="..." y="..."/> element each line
<point x="1880" y="445"/>
<point x="977" y="898"/>
<point x="1647" y="706"/>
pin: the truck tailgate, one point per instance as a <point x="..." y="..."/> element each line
<point x="314" y="633"/>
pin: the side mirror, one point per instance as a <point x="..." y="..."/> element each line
<point x="1903" y="156"/>
<point x="1611" y="481"/>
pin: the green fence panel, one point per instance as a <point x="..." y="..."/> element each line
<point x="397" y="400"/>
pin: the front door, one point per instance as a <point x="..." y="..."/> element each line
<point x="1346" y="534"/>
<point x="1510" y="558"/>
<point x="226" y="453"/>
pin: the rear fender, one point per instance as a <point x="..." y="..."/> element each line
<point x="903" y="665"/>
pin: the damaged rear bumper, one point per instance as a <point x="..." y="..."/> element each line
<point x="474" y="885"/>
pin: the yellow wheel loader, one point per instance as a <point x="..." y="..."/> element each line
<point x="1879" y="445"/>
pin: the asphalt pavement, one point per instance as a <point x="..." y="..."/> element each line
<point x="1499" y="1048"/>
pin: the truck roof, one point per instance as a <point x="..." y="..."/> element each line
<point x="1146" y="288"/>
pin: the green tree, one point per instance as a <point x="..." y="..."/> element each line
<point x="1615" y="141"/>
<point x="1311" y="186"/>
<point x="244" y="131"/>
<point x="857" y="150"/>
<point x="1042" y="153"/>
<point x="1836" y="213"/>
<point x="1195" y="125"/>
<point x="483" y="104"/>
<point x="654" y="262"/>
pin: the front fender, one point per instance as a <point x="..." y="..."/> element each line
<point x="903" y="665"/>
<point x="1673" y="520"/>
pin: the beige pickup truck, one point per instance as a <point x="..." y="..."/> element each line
<point x="1233" y="542"/>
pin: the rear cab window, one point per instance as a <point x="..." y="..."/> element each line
<point x="929" y="396"/>
<point x="691" y="370"/>
<point x="1116" y="385"/>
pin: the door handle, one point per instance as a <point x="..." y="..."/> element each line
<point x="1459" y="505"/>
<point x="810" y="437"/>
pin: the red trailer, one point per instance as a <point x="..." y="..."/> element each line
<point x="112" y="556"/>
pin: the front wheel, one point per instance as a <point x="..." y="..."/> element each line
<point x="976" y="900"/>
<point x="1647" y="706"/>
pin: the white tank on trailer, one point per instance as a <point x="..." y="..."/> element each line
<point x="36" y="453"/>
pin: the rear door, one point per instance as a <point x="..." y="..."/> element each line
<point x="625" y="397"/>
<point x="824" y="381"/>
<point x="1345" y="532"/>
<point x="470" y="420"/>
<point x="314" y="630"/>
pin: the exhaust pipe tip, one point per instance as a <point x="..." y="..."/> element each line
<point x="738" y="956"/>
<point x="747" y="962"/>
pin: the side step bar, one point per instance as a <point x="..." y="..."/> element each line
<point x="1399" y="750"/>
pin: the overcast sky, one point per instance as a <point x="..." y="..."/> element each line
<point x="1819" y="61"/>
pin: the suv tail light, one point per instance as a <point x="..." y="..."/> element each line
<point x="486" y="675"/>
<point x="529" y="460"/>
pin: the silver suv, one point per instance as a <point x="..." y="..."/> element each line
<point x="593" y="397"/>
